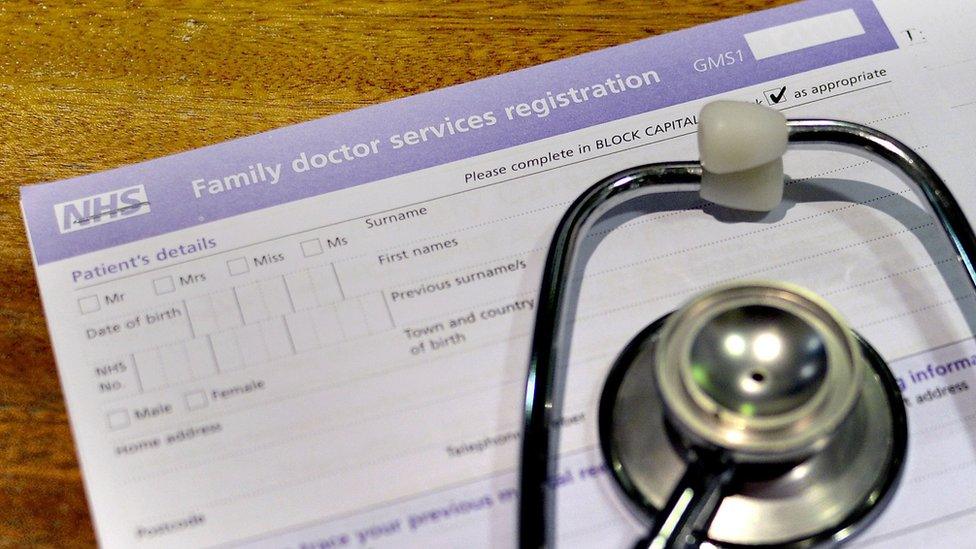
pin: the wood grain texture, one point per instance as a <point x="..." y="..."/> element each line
<point x="86" y="87"/>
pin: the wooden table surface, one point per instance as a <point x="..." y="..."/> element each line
<point x="84" y="88"/>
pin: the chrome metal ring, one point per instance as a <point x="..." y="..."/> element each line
<point x="800" y="429"/>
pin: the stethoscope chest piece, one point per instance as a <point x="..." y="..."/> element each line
<point x="753" y="416"/>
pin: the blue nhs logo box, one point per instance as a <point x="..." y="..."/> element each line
<point x="99" y="209"/>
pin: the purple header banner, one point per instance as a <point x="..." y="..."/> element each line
<point x="76" y="216"/>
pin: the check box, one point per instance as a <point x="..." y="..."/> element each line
<point x="164" y="285"/>
<point x="775" y="96"/>
<point x="196" y="400"/>
<point x="238" y="266"/>
<point x="118" y="419"/>
<point x="89" y="304"/>
<point x="311" y="247"/>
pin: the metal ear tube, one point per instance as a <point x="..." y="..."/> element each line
<point x="752" y="416"/>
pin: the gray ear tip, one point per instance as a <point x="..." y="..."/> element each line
<point x="741" y="147"/>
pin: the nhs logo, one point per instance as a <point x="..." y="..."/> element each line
<point x="99" y="209"/>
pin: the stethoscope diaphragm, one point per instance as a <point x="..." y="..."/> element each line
<point x="763" y="371"/>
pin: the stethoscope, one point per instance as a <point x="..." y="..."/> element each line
<point x="752" y="415"/>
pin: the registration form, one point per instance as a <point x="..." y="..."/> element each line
<point x="317" y="337"/>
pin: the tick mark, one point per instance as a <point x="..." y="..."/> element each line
<point x="776" y="96"/>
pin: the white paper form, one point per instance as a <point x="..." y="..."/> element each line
<point x="317" y="336"/>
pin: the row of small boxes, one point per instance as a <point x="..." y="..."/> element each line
<point x="263" y="300"/>
<point x="166" y="284"/>
<point x="217" y="348"/>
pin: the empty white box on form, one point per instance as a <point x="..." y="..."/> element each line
<point x="227" y="351"/>
<point x="351" y="318"/>
<point x="150" y="368"/>
<point x="175" y="363"/>
<point x="263" y="300"/>
<point x="200" y="357"/>
<point x="196" y="400"/>
<point x="311" y="247"/>
<point x="89" y="304"/>
<point x="302" y="330"/>
<point x="164" y="285"/>
<point x="376" y="312"/>
<point x="327" y="326"/>
<point x="214" y="312"/>
<point x="805" y="33"/>
<point x="250" y="340"/>
<point x="313" y="287"/>
<point x="237" y="266"/>
<point x="117" y="419"/>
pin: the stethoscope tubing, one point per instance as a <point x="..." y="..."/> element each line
<point x="554" y="314"/>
